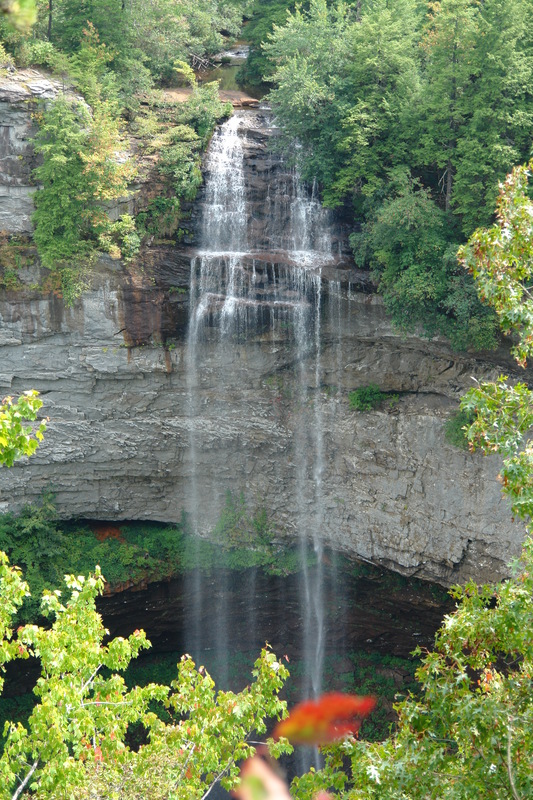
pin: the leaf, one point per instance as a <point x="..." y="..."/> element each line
<point x="330" y="717"/>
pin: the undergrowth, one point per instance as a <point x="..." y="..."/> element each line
<point x="46" y="548"/>
<point x="455" y="429"/>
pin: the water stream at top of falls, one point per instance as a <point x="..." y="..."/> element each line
<point x="243" y="289"/>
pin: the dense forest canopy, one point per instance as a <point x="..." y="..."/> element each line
<point x="407" y="113"/>
<point x="410" y="113"/>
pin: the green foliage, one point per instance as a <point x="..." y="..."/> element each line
<point x="16" y="438"/>
<point x="61" y="226"/>
<point x="501" y="259"/>
<point x="367" y="93"/>
<point x="47" y="549"/>
<point x="21" y="14"/>
<point x="263" y="17"/>
<point x="111" y="51"/>
<point x="476" y="101"/>
<point x="74" y="740"/>
<point x="15" y="253"/>
<point x="421" y="280"/>
<point x="177" y="134"/>
<point x="456" y="429"/>
<point x="367" y="398"/>
<point x="143" y="40"/>
<point x="161" y="217"/>
<point x="242" y="539"/>
<point x="469" y="733"/>
<point x="39" y="53"/>
<point x="80" y="170"/>
<point x="120" y="239"/>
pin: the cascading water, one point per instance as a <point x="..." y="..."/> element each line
<point x="243" y="287"/>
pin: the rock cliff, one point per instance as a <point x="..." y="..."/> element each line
<point x="113" y="373"/>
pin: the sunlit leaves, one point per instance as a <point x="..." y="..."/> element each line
<point x="501" y="260"/>
<point x="74" y="744"/>
<point x="16" y="438"/>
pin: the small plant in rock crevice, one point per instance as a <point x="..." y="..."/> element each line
<point x="456" y="429"/>
<point x="368" y="398"/>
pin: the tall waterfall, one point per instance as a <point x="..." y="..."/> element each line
<point x="270" y="287"/>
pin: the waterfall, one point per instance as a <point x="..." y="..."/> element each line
<point x="243" y="286"/>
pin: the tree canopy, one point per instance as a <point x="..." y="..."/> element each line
<point x="409" y="113"/>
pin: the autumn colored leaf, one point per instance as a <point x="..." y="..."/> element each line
<point x="326" y="719"/>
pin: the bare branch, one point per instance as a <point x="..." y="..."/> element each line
<point x="509" y="766"/>
<point x="26" y="779"/>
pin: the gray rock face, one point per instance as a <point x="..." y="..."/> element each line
<point x="126" y="441"/>
<point x="16" y="156"/>
<point x="119" y="435"/>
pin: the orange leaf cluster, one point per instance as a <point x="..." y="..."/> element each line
<point x="326" y="719"/>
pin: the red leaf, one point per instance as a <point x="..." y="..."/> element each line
<point x="330" y="717"/>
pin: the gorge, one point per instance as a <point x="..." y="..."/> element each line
<point x="222" y="369"/>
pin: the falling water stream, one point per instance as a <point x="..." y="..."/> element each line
<point x="237" y="287"/>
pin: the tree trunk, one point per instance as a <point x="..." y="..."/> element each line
<point x="449" y="184"/>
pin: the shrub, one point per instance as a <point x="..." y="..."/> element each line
<point x="455" y="429"/>
<point x="367" y="398"/>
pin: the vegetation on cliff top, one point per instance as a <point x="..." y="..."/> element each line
<point x="112" y="55"/>
<point x="409" y="114"/>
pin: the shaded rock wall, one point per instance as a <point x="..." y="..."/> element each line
<point x="118" y="440"/>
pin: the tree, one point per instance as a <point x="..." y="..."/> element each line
<point x="81" y="166"/>
<point x="16" y="438"/>
<point x="407" y="243"/>
<point x="475" y="119"/>
<point x="342" y="89"/>
<point x="75" y="743"/>
<point x="501" y="260"/>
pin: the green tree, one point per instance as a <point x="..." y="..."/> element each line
<point x="16" y="438"/>
<point x="342" y="88"/>
<point x="264" y="15"/>
<point x="448" y="44"/>
<point x="408" y="244"/>
<point x="75" y="741"/>
<point x="475" y="119"/>
<point x="501" y="260"/>
<point x="81" y="169"/>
